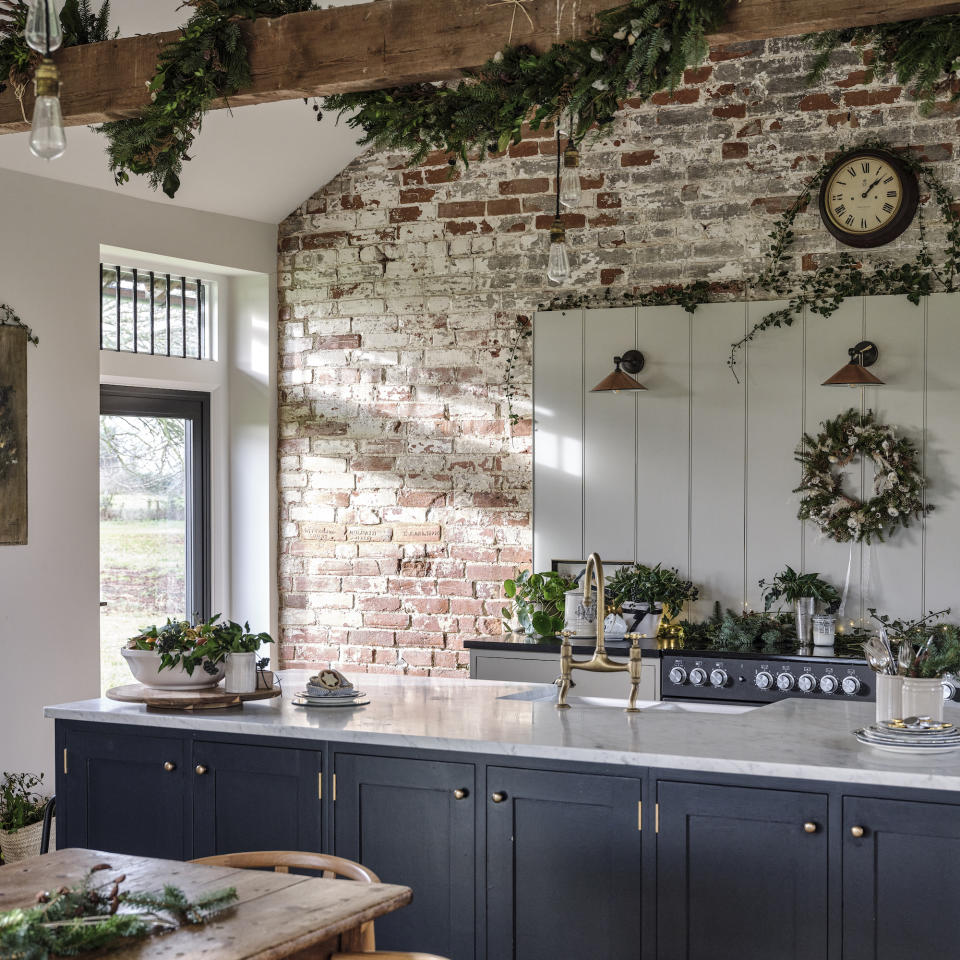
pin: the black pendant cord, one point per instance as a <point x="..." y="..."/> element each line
<point x="46" y="17"/>
<point x="558" y="168"/>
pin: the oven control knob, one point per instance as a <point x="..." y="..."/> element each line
<point x="678" y="675"/>
<point x="807" y="683"/>
<point x="763" y="680"/>
<point x="828" y="684"/>
<point x="850" y="686"/>
<point x="719" y="678"/>
<point x="785" y="682"/>
<point x="698" y="676"/>
<point x="949" y="687"/>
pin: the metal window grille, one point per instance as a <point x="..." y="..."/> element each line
<point x="143" y="311"/>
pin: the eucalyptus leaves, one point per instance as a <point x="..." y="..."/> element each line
<point x="897" y="486"/>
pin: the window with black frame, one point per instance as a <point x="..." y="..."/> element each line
<point x="154" y="514"/>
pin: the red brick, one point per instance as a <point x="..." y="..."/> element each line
<point x="664" y="97"/>
<point x="697" y="74"/>
<point x="502" y="208"/>
<point x="732" y="111"/>
<point x="404" y="214"/>
<point x="351" y="203"/>
<point x="525" y="148"/>
<point x="325" y="241"/>
<point x="751" y="129"/>
<point x="591" y="181"/>
<point x="933" y="152"/>
<point x="773" y="205"/>
<point x="341" y="341"/>
<point x="376" y="464"/>
<point x="855" y="79"/>
<point x="818" y="101"/>
<point x="608" y="201"/>
<point x="461" y="208"/>
<point x="409" y="177"/>
<point x="809" y="262"/>
<point x="571" y="221"/>
<point x="384" y="604"/>
<point x="289" y="244"/>
<point x="515" y="187"/>
<point x="444" y="174"/>
<point x="610" y="275"/>
<point x="734" y="151"/>
<point x="396" y="621"/>
<point x="417" y="195"/>
<point x="638" y="158"/>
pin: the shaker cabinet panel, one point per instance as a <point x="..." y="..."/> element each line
<point x="250" y="797"/>
<point x="737" y="871"/>
<point x="412" y="823"/>
<point x="563" y="866"/>
<point x="901" y="869"/>
<point x="124" y="793"/>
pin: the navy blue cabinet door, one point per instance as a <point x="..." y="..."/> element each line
<point x="124" y="793"/>
<point x="741" y="873"/>
<point x="563" y="870"/>
<point x="412" y="823"/>
<point x="255" y="798"/>
<point x="901" y="872"/>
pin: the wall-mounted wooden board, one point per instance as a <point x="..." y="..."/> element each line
<point x="713" y="462"/>
<point x="13" y="435"/>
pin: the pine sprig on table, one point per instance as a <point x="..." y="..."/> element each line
<point x="88" y="916"/>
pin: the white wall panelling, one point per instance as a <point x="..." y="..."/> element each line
<point x="698" y="472"/>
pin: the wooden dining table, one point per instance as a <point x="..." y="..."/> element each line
<point x="275" y="914"/>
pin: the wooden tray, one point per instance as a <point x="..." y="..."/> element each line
<point x="214" y="698"/>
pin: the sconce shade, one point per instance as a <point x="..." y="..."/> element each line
<point x="631" y="361"/>
<point x="855" y="373"/>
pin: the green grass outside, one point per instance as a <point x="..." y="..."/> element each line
<point x="142" y="579"/>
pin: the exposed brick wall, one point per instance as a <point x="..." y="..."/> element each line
<point x="405" y="492"/>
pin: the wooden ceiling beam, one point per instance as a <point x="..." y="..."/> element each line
<point x="389" y="42"/>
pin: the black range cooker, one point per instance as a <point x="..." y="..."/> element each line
<point x="759" y="676"/>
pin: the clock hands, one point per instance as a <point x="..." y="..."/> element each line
<point x="865" y="194"/>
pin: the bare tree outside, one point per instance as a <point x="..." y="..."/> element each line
<point x="142" y="530"/>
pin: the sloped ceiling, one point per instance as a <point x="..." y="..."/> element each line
<point x="258" y="163"/>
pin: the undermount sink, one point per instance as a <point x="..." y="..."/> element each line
<point x="609" y="703"/>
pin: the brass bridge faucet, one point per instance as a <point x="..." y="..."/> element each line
<point x="600" y="662"/>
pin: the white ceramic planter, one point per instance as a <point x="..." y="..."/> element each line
<point x="642" y="618"/>
<point x="145" y="667"/>
<point x="241" y="673"/>
<point x="578" y="617"/>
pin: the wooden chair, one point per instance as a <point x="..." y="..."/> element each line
<point x="280" y="861"/>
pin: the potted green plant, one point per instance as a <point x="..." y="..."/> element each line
<point x="239" y="647"/>
<point x="538" y="603"/>
<point x="21" y="816"/>
<point x="169" y="656"/>
<point x="648" y="595"/>
<point x="803" y="591"/>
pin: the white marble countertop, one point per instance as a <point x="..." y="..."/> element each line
<point x="796" y="739"/>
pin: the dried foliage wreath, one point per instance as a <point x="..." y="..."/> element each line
<point x="897" y="485"/>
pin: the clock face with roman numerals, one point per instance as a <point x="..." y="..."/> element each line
<point x="868" y="199"/>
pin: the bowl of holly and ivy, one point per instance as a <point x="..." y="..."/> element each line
<point x="177" y="656"/>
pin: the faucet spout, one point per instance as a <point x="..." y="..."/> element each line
<point x="593" y="576"/>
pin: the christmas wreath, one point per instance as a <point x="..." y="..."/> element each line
<point x="897" y="484"/>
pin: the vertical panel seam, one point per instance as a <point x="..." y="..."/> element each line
<point x="583" y="433"/>
<point x="803" y="426"/>
<point x="863" y="470"/>
<point x="923" y="455"/>
<point x="690" y="446"/>
<point x="746" y="450"/>
<point x="636" y="447"/>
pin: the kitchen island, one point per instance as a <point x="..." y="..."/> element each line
<point x="685" y="830"/>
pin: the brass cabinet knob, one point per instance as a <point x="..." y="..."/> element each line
<point x="856" y="832"/>
<point x="169" y="766"/>
<point x="461" y="794"/>
<point x="810" y="827"/>
<point x="498" y="797"/>
<point x="201" y="769"/>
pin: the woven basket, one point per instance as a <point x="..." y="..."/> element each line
<point x="19" y="844"/>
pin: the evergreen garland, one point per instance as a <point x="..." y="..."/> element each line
<point x="924" y="53"/>
<point x="209" y="62"/>
<point x="638" y="48"/>
<point x="726" y="630"/>
<point x="89" y="916"/>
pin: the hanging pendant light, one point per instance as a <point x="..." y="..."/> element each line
<point x="632" y="362"/>
<point x="48" y="140"/>
<point x="570" y="193"/>
<point x="44" y="31"/>
<point x="855" y="374"/>
<point x="558" y="262"/>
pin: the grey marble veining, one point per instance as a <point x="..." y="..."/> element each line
<point x="798" y="739"/>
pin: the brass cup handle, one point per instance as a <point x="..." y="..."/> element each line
<point x="498" y="797"/>
<point x="810" y="827"/>
<point x="461" y="794"/>
<point x="169" y="766"/>
<point x="200" y="769"/>
<point x="856" y="832"/>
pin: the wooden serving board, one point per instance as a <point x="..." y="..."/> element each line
<point x="213" y="698"/>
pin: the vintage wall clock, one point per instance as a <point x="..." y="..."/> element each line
<point x="868" y="198"/>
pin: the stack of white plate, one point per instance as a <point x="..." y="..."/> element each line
<point x="356" y="698"/>
<point x="916" y="735"/>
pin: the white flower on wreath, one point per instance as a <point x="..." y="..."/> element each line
<point x="893" y="511"/>
<point x="833" y="459"/>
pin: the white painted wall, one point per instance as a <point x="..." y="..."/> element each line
<point x="50" y="240"/>
<point x="698" y="471"/>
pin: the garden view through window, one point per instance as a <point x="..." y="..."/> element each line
<point x="150" y="537"/>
